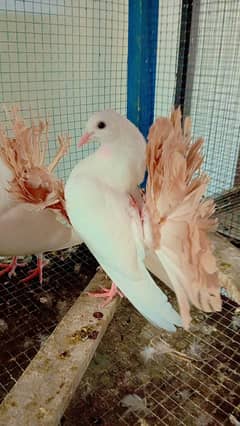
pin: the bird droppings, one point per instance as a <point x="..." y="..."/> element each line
<point x="47" y="300"/>
<point x="42" y="412"/>
<point x="225" y="266"/>
<point x="64" y="355"/>
<point x="98" y="315"/>
<point x="77" y="268"/>
<point x="235" y="323"/>
<point x="93" y="334"/>
<point x="79" y="336"/>
<point x="83" y="334"/>
<point x="48" y="400"/>
<point x="3" y="326"/>
<point x="43" y="300"/>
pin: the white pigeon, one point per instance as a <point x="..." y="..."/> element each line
<point x="101" y="209"/>
<point x="33" y="219"/>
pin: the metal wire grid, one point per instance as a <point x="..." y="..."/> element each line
<point x="211" y="95"/>
<point x="65" y="58"/>
<point x="30" y="312"/>
<point x="167" y="55"/>
<point x="41" y="49"/>
<point x="229" y="226"/>
<point x="213" y="89"/>
<point x="177" y="392"/>
<point x="228" y="213"/>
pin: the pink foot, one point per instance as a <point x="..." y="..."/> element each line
<point x="35" y="272"/>
<point x="107" y="293"/>
<point x="9" y="268"/>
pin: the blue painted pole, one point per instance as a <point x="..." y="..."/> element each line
<point x="142" y="60"/>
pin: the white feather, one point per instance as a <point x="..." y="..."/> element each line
<point x="134" y="403"/>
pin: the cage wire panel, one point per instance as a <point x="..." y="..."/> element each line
<point x="212" y="99"/>
<point x="210" y="68"/>
<point x="136" y="378"/>
<point x="213" y="89"/>
<point x="61" y="59"/>
<point x="198" y="68"/>
<point x="67" y="59"/>
<point x="169" y="23"/>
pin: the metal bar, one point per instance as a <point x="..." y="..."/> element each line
<point x="184" y="44"/>
<point x="142" y="59"/>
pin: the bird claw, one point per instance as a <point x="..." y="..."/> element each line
<point x="6" y="269"/>
<point x="9" y="268"/>
<point x="35" y="272"/>
<point x="107" y="293"/>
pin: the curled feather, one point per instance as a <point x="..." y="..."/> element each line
<point x="33" y="182"/>
<point x="180" y="216"/>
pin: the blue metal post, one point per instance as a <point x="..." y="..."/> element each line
<point x="142" y="59"/>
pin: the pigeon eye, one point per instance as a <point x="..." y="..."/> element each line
<point x="101" y="125"/>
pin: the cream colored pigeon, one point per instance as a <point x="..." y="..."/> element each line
<point x="169" y="229"/>
<point x="33" y="219"/>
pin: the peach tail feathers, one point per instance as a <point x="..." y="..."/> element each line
<point x="180" y="217"/>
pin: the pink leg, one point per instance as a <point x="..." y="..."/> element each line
<point x="35" y="272"/>
<point x="107" y="293"/>
<point x="10" y="267"/>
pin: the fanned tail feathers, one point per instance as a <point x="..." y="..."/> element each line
<point x="180" y="216"/>
<point x="33" y="182"/>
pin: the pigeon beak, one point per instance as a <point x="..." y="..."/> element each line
<point x="84" y="139"/>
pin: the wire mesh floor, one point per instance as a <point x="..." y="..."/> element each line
<point x="123" y="386"/>
<point x="30" y="312"/>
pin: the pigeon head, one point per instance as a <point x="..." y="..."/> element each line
<point x="105" y="126"/>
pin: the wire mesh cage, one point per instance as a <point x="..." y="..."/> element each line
<point x="61" y="60"/>
<point x="66" y="59"/>
<point x="30" y="312"/>
<point x="162" y="379"/>
<point x="198" y="62"/>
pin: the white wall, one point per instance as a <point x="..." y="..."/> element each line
<point x="65" y="58"/>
